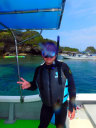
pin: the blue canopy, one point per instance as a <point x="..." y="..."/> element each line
<point x="31" y="14"/>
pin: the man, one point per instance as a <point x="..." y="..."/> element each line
<point x="50" y="78"/>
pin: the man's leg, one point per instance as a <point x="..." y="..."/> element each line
<point x="45" y="116"/>
<point x="60" y="117"/>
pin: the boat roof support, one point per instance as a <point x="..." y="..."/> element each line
<point x="31" y="11"/>
<point x="18" y="68"/>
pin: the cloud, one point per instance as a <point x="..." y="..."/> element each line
<point x="81" y="7"/>
<point x="94" y="10"/>
<point x="79" y="38"/>
<point x="75" y="4"/>
<point x="83" y="12"/>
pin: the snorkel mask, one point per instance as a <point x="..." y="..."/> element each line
<point x="48" y="49"/>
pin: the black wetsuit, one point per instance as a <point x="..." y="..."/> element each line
<point x="47" y="111"/>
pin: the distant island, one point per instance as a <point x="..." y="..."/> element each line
<point x="7" y="45"/>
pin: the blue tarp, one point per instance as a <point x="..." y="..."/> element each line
<point x="31" y="14"/>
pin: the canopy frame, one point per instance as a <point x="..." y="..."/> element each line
<point x="30" y="11"/>
<point x="37" y="10"/>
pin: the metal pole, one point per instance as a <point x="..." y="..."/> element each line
<point x="21" y="97"/>
<point x="31" y="11"/>
<point x="11" y="114"/>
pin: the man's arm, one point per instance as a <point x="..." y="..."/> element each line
<point x="71" y="86"/>
<point x="34" y="82"/>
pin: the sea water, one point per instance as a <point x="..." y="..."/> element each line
<point x="84" y="74"/>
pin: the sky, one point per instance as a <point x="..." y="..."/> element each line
<point x="78" y="25"/>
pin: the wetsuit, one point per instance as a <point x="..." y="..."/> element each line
<point x="47" y="107"/>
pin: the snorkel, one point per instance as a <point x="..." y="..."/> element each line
<point x="58" y="40"/>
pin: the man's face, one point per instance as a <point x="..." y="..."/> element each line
<point x="49" y="60"/>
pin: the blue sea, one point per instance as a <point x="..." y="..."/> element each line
<point x="84" y="73"/>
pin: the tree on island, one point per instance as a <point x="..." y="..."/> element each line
<point x="31" y="46"/>
<point x="68" y="49"/>
<point x="91" y="49"/>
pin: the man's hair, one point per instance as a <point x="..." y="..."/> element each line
<point x="50" y="46"/>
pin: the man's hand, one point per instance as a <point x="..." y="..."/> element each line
<point x="71" y="115"/>
<point x="25" y="84"/>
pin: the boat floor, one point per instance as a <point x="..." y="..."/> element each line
<point x="91" y="112"/>
<point x="23" y="124"/>
<point x="85" y="118"/>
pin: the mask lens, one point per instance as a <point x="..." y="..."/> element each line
<point x="48" y="54"/>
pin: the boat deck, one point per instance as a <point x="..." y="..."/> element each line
<point x="23" y="124"/>
<point x="85" y="117"/>
<point x="91" y="112"/>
